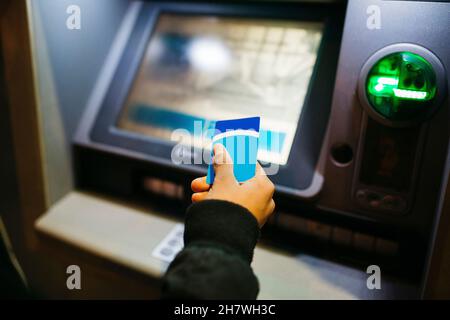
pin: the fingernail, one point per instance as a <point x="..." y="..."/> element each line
<point x="218" y="149"/>
<point x="217" y="159"/>
<point x="218" y="154"/>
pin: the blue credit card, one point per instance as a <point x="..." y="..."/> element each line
<point x="240" y="137"/>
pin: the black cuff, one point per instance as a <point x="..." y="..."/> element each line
<point x="223" y="223"/>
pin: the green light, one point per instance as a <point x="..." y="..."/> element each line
<point x="410" y="94"/>
<point x="388" y="81"/>
<point x="401" y="86"/>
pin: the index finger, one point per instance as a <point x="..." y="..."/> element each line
<point x="200" y="185"/>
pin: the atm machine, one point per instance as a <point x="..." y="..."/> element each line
<point x="353" y="103"/>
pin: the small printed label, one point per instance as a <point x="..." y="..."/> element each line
<point x="169" y="247"/>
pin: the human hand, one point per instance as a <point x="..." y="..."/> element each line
<point x="254" y="194"/>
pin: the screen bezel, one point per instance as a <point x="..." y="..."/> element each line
<point x="299" y="170"/>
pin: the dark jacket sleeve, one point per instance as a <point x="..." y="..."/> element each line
<point x="219" y="240"/>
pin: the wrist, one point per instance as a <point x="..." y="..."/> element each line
<point x="223" y="223"/>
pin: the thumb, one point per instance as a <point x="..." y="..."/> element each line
<point x="223" y="164"/>
<point x="259" y="170"/>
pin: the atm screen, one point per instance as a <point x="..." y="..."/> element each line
<point x="197" y="69"/>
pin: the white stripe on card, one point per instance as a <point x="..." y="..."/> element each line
<point x="239" y="132"/>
